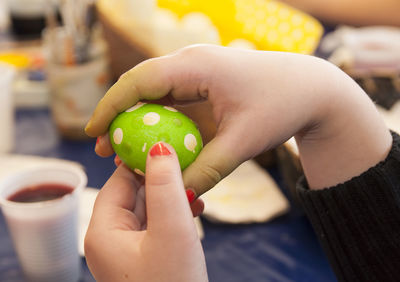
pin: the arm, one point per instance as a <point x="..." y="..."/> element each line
<point x="260" y="99"/>
<point x="267" y="97"/>
<point x="357" y="222"/>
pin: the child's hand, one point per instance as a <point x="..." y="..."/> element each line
<point x="145" y="234"/>
<point x="259" y="99"/>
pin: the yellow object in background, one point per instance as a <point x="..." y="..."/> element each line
<point x="17" y="60"/>
<point x="268" y="24"/>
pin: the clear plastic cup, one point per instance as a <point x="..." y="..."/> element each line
<point x="45" y="234"/>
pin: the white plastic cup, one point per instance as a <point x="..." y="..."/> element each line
<point x="45" y="234"/>
<point x="7" y="74"/>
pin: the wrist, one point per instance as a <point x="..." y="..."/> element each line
<point x="347" y="135"/>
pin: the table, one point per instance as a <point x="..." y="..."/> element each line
<point x="285" y="249"/>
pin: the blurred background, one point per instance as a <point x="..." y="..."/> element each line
<point x="59" y="57"/>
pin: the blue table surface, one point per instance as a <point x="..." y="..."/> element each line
<point x="285" y="249"/>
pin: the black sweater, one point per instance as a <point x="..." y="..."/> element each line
<point x="358" y="222"/>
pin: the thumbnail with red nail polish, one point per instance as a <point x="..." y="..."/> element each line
<point x="159" y="150"/>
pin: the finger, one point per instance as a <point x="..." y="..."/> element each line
<point x="117" y="161"/>
<point x="127" y="91"/>
<point x="116" y="200"/>
<point x="103" y="146"/>
<point x="167" y="205"/>
<point x="217" y="159"/>
<point x="152" y="79"/>
<point x="140" y="207"/>
<point x="197" y="207"/>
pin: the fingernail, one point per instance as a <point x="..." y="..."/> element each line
<point x="159" y="149"/>
<point x="88" y="125"/>
<point x="190" y="195"/>
<point x="117" y="161"/>
<point x="97" y="143"/>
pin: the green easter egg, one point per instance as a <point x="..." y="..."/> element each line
<point x="135" y="131"/>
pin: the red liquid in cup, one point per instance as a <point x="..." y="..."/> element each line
<point x="40" y="192"/>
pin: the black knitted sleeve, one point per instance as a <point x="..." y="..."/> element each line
<point x="358" y="222"/>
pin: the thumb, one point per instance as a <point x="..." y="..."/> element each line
<point x="217" y="159"/>
<point x="166" y="202"/>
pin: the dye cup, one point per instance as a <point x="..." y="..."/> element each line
<point x="45" y="234"/>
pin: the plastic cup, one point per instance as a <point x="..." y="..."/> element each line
<point x="45" y="234"/>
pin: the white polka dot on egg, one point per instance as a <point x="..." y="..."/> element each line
<point x="190" y="142"/>
<point x="118" y="135"/>
<point x="135" y="107"/>
<point x="170" y="109"/>
<point x="151" y="118"/>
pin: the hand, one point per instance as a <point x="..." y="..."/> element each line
<point x="259" y="100"/>
<point x="139" y="233"/>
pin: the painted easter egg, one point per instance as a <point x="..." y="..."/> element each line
<point x="135" y="131"/>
